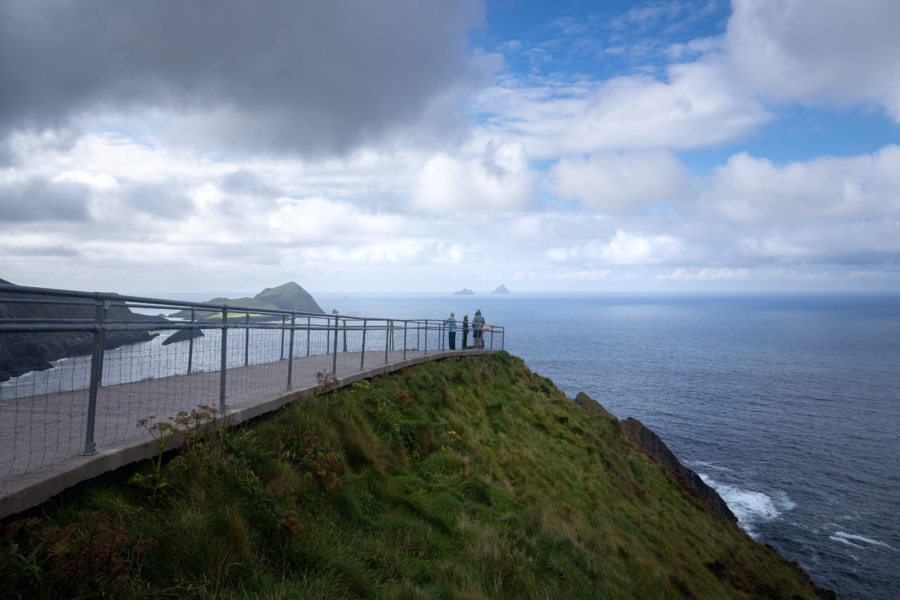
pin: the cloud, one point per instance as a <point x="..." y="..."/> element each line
<point x="312" y="221"/>
<point x="498" y="181"/>
<point x="243" y="181"/>
<point x="37" y="199"/>
<point x="310" y="77"/>
<point x="706" y="274"/>
<point x="614" y="182"/>
<point x="827" y="51"/>
<point x="63" y="251"/>
<point x="696" y="107"/>
<point x="755" y="189"/>
<point x="624" y="248"/>
<point x="861" y="242"/>
<point x="160" y="200"/>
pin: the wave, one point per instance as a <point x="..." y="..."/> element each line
<point x="749" y="506"/>
<point x="850" y="539"/>
<point x="697" y="465"/>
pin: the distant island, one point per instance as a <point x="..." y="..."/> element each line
<point x="289" y="296"/>
<point x="464" y="292"/>
<point x="501" y="290"/>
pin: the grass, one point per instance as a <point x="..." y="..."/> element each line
<point x="466" y="479"/>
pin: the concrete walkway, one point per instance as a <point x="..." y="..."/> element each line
<point x="42" y="438"/>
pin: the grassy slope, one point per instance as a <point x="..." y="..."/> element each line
<point x="467" y="479"/>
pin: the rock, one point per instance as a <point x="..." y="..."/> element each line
<point x="464" y="292"/>
<point x="501" y="290"/>
<point x="590" y="405"/>
<point x="183" y="335"/>
<point x="645" y="438"/>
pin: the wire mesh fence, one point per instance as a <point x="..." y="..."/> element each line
<point x="78" y="370"/>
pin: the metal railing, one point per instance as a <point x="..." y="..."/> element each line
<point x="78" y="370"/>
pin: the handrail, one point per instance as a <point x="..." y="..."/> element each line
<point x="97" y="322"/>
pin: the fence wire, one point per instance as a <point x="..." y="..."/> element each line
<point x="54" y="408"/>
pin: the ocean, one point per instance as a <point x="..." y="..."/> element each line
<point x="789" y="406"/>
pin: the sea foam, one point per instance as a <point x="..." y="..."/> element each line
<point x="850" y="539"/>
<point x="749" y="506"/>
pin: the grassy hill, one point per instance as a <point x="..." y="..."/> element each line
<point x="463" y="479"/>
<point x="289" y="296"/>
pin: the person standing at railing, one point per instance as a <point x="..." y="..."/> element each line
<point x="451" y="331"/>
<point x="477" y="328"/>
<point x="465" y="331"/>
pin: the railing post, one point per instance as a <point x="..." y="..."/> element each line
<point x="247" y="340"/>
<point x="345" y="335"/>
<point x="387" y="341"/>
<point x="405" y="323"/>
<point x="191" y="343"/>
<point x="282" y="338"/>
<point x="492" y="338"/>
<point x="308" y="332"/>
<point x="426" y="337"/>
<point x="441" y="333"/>
<point x="96" y="373"/>
<point x="334" y="357"/>
<point x="362" y="358"/>
<point x="222" y="377"/>
<point x="291" y="349"/>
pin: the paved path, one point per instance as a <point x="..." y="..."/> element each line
<point x="42" y="438"/>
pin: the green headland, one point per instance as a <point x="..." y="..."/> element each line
<point x="467" y="479"/>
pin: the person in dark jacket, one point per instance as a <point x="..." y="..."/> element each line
<point x="477" y="328"/>
<point x="465" y="330"/>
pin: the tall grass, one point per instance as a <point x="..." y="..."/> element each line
<point x="469" y="478"/>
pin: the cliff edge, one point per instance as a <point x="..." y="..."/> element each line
<point x="470" y="477"/>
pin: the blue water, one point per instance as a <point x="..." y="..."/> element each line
<point x="788" y="406"/>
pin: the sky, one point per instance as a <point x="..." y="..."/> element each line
<point x="154" y="148"/>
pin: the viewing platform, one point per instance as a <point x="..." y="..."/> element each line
<point x="79" y="419"/>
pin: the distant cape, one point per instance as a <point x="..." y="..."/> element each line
<point x="289" y="296"/>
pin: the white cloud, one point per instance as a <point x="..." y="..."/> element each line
<point x="498" y="181"/>
<point x="706" y="274"/>
<point x="697" y="106"/>
<point x="581" y="275"/>
<point x="755" y="189"/>
<point x="818" y="52"/>
<point x="621" y="181"/>
<point x="312" y="221"/>
<point x="624" y="248"/>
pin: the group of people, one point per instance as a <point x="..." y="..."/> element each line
<point x="478" y="328"/>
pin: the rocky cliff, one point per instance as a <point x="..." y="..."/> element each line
<point x="23" y="352"/>
<point x="647" y="440"/>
